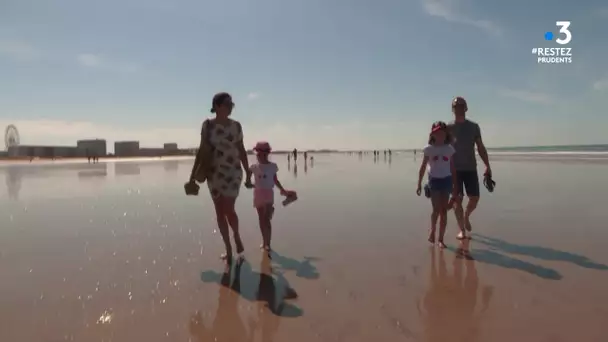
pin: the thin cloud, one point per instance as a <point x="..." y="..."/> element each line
<point x="90" y="60"/>
<point x="19" y="51"/>
<point x="253" y="96"/>
<point x="601" y="85"/>
<point x="446" y="9"/>
<point x="527" y="96"/>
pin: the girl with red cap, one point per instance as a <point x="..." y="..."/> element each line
<point x="265" y="179"/>
<point x="438" y="158"/>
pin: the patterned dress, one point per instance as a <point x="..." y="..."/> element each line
<point x="226" y="172"/>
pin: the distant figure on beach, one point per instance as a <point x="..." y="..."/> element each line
<point x="288" y="158"/>
<point x="305" y="156"/>
<point x="438" y="156"/>
<point x="295" y="155"/>
<point x="265" y="176"/>
<point x="467" y="135"/>
<point x="312" y="161"/>
<point x="227" y="164"/>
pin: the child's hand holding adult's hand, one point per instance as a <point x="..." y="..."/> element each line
<point x="248" y="184"/>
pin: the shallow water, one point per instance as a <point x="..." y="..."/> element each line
<point x="116" y="252"/>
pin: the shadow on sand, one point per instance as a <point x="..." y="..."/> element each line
<point x="492" y="258"/>
<point x="538" y="252"/>
<point x="304" y="269"/>
<point x="265" y="286"/>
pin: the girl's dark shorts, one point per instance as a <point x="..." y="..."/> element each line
<point x="441" y="185"/>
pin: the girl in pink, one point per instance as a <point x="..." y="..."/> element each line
<point x="265" y="178"/>
<point x="438" y="159"/>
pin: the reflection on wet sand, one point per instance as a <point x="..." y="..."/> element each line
<point x="93" y="170"/>
<point x="227" y="324"/>
<point x="126" y="169"/>
<point x="171" y="165"/>
<point x="271" y="295"/>
<point x="13" y="179"/>
<point x="448" y="309"/>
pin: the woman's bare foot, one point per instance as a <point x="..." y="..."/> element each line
<point x="461" y="236"/>
<point x="432" y="239"/>
<point x="226" y="257"/>
<point x="441" y="244"/>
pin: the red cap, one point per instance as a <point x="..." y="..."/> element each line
<point x="438" y="126"/>
<point x="262" y="146"/>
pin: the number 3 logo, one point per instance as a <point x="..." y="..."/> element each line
<point x="563" y="28"/>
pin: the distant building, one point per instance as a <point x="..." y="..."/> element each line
<point x="170" y="147"/>
<point x="43" y="151"/>
<point x="93" y="148"/>
<point x="126" y="148"/>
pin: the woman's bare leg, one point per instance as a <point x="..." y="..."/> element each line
<point x="233" y="221"/>
<point x="222" y="225"/>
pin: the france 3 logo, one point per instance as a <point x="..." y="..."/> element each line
<point x="556" y="55"/>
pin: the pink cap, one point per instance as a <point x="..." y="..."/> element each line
<point x="262" y="146"/>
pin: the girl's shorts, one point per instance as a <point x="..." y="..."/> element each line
<point x="263" y="197"/>
<point x="441" y="185"/>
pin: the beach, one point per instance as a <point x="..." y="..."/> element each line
<point x="116" y="251"/>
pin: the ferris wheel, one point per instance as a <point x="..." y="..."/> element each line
<point x="11" y="136"/>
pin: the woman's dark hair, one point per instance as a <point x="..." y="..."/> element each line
<point x="440" y="125"/>
<point x="218" y="100"/>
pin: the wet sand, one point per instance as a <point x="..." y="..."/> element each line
<point x="117" y="252"/>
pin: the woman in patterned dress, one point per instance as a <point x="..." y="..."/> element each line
<point x="224" y="182"/>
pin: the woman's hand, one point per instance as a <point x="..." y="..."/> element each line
<point x="284" y="192"/>
<point x="419" y="189"/>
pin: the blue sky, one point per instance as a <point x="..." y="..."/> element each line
<point x="303" y="73"/>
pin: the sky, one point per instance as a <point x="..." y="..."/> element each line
<point x="306" y="74"/>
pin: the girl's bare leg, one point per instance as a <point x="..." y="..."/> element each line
<point x="269" y="214"/>
<point x="262" y="222"/>
<point x="436" y="202"/>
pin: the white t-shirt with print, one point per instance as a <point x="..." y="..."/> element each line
<point x="439" y="160"/>
<point x="264" y="175"/>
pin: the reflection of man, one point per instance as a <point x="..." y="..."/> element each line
<point x="466" y="135"/>
<point x="450" y="301"/>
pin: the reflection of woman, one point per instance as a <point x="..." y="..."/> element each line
<point x="450" y="303"/>
<point x="227" y="324"/>
<point x="224" y="182"/>
<point x="267" y="302"/>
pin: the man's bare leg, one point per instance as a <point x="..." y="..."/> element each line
<point x="471" y="205"/>
<point x="459" y="213"/>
